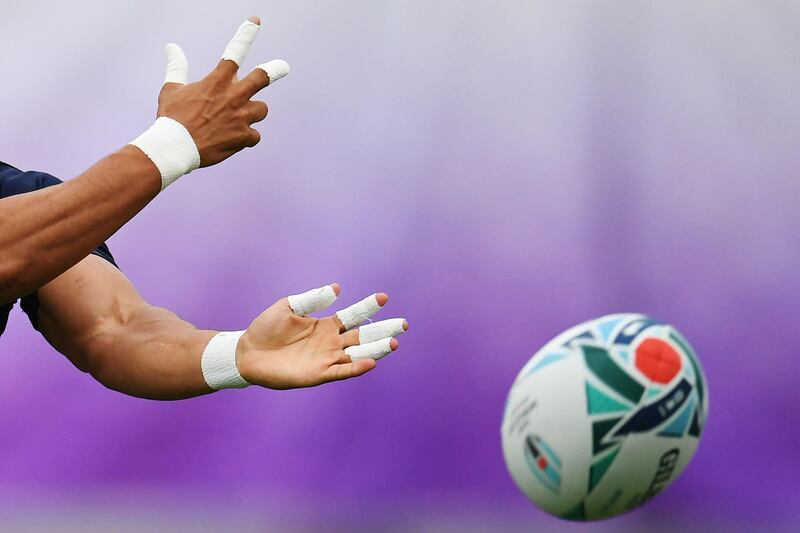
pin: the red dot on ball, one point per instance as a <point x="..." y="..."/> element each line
<point x="657" y="360"/>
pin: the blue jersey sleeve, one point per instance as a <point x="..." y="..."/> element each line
<point x="12" y="182"/>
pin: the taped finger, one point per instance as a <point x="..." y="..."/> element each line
<point x="275" y="69"/>
<point x="262" y="76"/>
<point x="177" y="65"/>
<point x="237" y="49"/>
<point x="358" y="312"/>
<point x="381" y="330"/>
<point x="373" y="350"/>
<point x="311" y="301"/>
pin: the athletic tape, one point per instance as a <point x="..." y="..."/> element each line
<point x="311" y="301"/>
<point x="358" y="312"/>
<point x="380" y="330"/>
<point x="242" y="40"/>
<point x="177" y="65"/>
<point x="219" y="362"/>
<point x="170" y="146"/>
<point x="373" y="350"/>
<point x="275" y="69"/>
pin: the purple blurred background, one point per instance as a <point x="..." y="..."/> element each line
<point x="503" y="170"/>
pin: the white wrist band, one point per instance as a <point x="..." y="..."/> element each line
<point x="219" y="362"/>
<point x="170" y="146"/>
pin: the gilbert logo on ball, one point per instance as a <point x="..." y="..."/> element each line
<point x="604" y="417"/>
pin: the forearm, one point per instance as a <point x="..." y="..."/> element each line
<point x="94" y="316"/>
<point x="156" y="356"/>
<point x="147" y="353"/>
<point x="44" y="233"/>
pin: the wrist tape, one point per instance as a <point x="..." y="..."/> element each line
<point x="170" y="146"/>
<point x="219" y="362"/>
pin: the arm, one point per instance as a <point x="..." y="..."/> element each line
<point x="94" y="316"/>
<point x="43" y="233"/>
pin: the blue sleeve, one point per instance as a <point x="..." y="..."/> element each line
<point x="14" y="181"/>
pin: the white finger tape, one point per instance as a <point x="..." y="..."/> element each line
<point x="219" y="362"/>
<point x="380" y="330"/>
<point x="170" y="146"/>
<point x="177" y="65"/>
<point x="358" y="312"/>
<point x="242" y="41"/>
<point x="311" y="301"/>
<point x="373" y="350"/>
<point x="275" y="69"/>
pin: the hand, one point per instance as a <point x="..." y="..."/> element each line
<point x="218" y="111"/>
<point x="282" y="349"/>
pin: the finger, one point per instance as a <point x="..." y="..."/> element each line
<point x="373" y="350"/>
<point x="275" y="69"/>
<point x="313" y="300"/>
<point x="357" y="313"/>
<point x="381" y="330"/>
<point x="264" y="75"/>
<point x="375" y="331"/>
<point x="236" y="51"/>
<point x="177" y="65"/>
<point x="348" y="370"/>
<point x="258" y="111"/>
<point x="253" y="137"/>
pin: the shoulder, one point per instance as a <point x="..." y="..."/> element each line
<point x="15" y="181"/>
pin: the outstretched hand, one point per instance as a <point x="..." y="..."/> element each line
<point x="218" y="111"/>
<point x="284" y="349"/>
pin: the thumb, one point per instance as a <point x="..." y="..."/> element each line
<point x="177" y="65"/>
